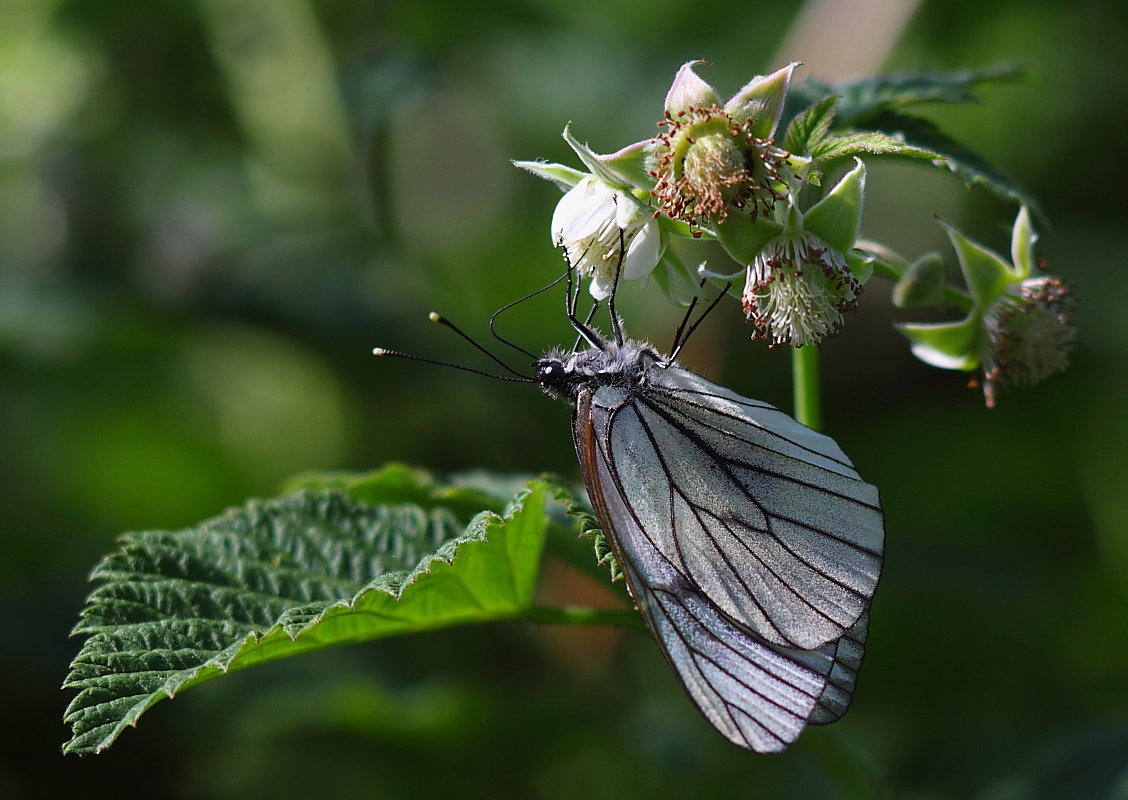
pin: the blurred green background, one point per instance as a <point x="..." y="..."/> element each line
<point x="212" y="210"/>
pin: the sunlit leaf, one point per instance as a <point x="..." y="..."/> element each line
<point x="305" y="571"/>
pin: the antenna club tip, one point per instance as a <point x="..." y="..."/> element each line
<point x="434" y="316"/>
<point x="379" y="351"/>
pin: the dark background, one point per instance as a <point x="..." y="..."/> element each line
<point x="211" y="211"/>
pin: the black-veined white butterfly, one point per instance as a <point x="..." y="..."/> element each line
<point x="749" y="542"/>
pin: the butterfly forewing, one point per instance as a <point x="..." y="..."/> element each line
<point x="766" y="517"/>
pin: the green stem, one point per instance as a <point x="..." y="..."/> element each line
<point x="579" y="615"/>
<point x="805" y="385"/>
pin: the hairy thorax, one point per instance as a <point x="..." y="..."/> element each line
<point x="634" y="366"/>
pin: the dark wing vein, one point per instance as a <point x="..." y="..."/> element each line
<point x="713" y="410"/>
<point x="768" y="514"/>
<point x="759" y="468"/>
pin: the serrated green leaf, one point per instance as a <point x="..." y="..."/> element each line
<point x="810" y="126"/>
<point x="868" y="96"/>
<point x="279" y="577"/>
<point x="871" y="143"/>
<point x="589" y="527"/>
<point x="969" y="166"/>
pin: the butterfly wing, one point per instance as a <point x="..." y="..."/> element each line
<point x="767" y="518"/>
<point x="758" y="696"/>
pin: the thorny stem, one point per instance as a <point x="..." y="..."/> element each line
<point x="805" y="385"/>
<point x="579" y="615"/>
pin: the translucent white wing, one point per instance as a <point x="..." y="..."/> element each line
<point x="758" y="696"/>
<point x="842" y="678"/>
<point x="765" y="517"/>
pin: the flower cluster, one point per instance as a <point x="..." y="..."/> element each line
<point x="717" y="171"/>
<point x="1019" y="329"/>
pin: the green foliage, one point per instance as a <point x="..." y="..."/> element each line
<point x="864" y="98"/>
<point x="870" y="143"/>
<point x="871" y="120"/>
<point x="343" y="559"/>
<point x="810" y="126"/>
<point x="972" y="168"/>
<point x="589" y="526"/>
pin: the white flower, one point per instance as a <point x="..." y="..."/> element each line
<point x="587" y="223"/>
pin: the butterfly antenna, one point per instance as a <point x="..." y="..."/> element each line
<point x="616" y="324"/>
<point x="381" y="351"/>
<point x="529" y="296"/>
<point x="700" y="319"/>
<point x="441" y="320"/>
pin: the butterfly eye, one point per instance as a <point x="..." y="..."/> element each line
<point x="550" y="373"/>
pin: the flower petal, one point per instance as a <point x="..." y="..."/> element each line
<point x="583" y="211"/>
<point x="644" y="252"/>
<point x="600" y="286"/>
<point x="689" y="90"/>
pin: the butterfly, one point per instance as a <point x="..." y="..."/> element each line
<point x="748" y="541"/>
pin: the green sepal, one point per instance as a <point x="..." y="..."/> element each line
<point x="674" y="278"/>
<point x="986" y="272"/>
<point x="689" y="90"/>
<point x="564" y="177"/>
<point x="761" y="101"/>
<point x="810" y="126"/>
<point x="861" y="265"/>
<point x="922" y="284"/>
<point x="947" y="345"/>
<point x="619" y="177"/>
<point x="743" y="237"/>
<point x="632" y="164"/>
<point x="837" y="218"/>
<point x="1023" y="238"/>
